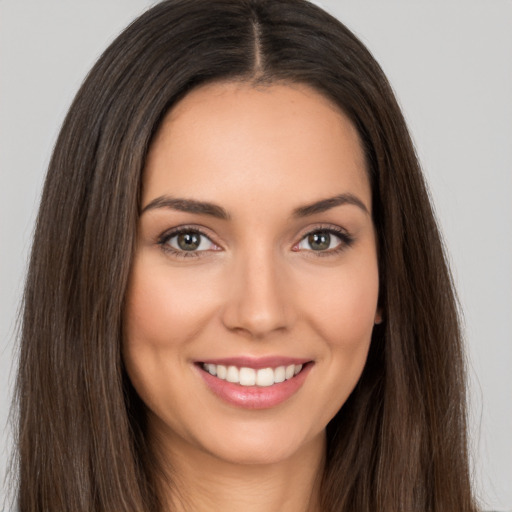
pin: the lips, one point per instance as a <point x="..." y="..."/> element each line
<point x="254" y="383"/>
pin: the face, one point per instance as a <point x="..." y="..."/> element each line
<point x="253" y="291"/>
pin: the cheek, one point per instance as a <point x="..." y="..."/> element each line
<point x="165" y="308"/>
<point x="340" y="307"/>
<point x="344" y="310"/>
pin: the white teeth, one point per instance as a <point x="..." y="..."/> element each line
<point x="247" y="376"/>
<point x="250" y="377"/>
<point x="211" y="369"/>
<point x="265" y="377"/>
<point x="221" y="371"/>
<point x="232" y="375"/>
<point x="279" y="374"/>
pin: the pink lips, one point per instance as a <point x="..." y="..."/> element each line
<point x="257" y="363"/>
<point x="255" y="397"/>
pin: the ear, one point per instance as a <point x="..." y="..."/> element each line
<point x="378" y="316"/>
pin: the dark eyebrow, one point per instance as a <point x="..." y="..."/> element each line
<point x="326" y="204"/>
<point x="187" y="205"/>
<point x="206" y="208"/>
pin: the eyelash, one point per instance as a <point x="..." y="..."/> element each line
<point x="346" y="241"/>
<point x="168" y="235"/>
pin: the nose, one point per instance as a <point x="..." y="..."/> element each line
<point x="258" y="302"/>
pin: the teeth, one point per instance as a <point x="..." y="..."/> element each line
<point x="247" y="376"/>
<point x="265" y="377"/>
<point x="250" y="377"/>
<point x="280" y="374"/>
<point x="211" y="368"/>
<point x="221" y="371"/>
<point x="232" y="374"/>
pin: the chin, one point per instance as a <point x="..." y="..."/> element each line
<point x="262" y="446"/>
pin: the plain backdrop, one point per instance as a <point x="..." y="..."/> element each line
<point x="450" y="63"/>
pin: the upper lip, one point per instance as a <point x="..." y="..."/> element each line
<point x="256" y="362"/>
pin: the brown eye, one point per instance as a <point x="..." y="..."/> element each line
<point x="190" y="241"/>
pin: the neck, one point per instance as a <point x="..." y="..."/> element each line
<point x="201" y="482"/>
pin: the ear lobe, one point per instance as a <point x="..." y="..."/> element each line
<point x="378" y="317"/>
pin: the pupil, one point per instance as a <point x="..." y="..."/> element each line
<point x="188" y="241"/>
<point x="319" y="241"/>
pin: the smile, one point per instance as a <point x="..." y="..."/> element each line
<point x="255" y="384"/>
<point x="245" y="376"/>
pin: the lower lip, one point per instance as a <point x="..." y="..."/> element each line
<point x="255" y="397"/>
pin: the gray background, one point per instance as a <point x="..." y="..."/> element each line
<point x="450" y="62"/>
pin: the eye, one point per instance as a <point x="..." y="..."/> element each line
<point x="324" y="240"/>
<point x="187" y="241"/>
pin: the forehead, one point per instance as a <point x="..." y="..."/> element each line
<point x="279" y="140"/>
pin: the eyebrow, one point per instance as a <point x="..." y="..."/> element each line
<point x="326" y="204"/>
<point x="213" y="210"/>
<point x="187" y="205"/>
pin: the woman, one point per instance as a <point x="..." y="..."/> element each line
<point x="237" y="296"/>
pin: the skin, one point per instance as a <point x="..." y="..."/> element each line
<point x="255" y="288"/>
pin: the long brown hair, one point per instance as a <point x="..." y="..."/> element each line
<point x="399" y="442"/>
